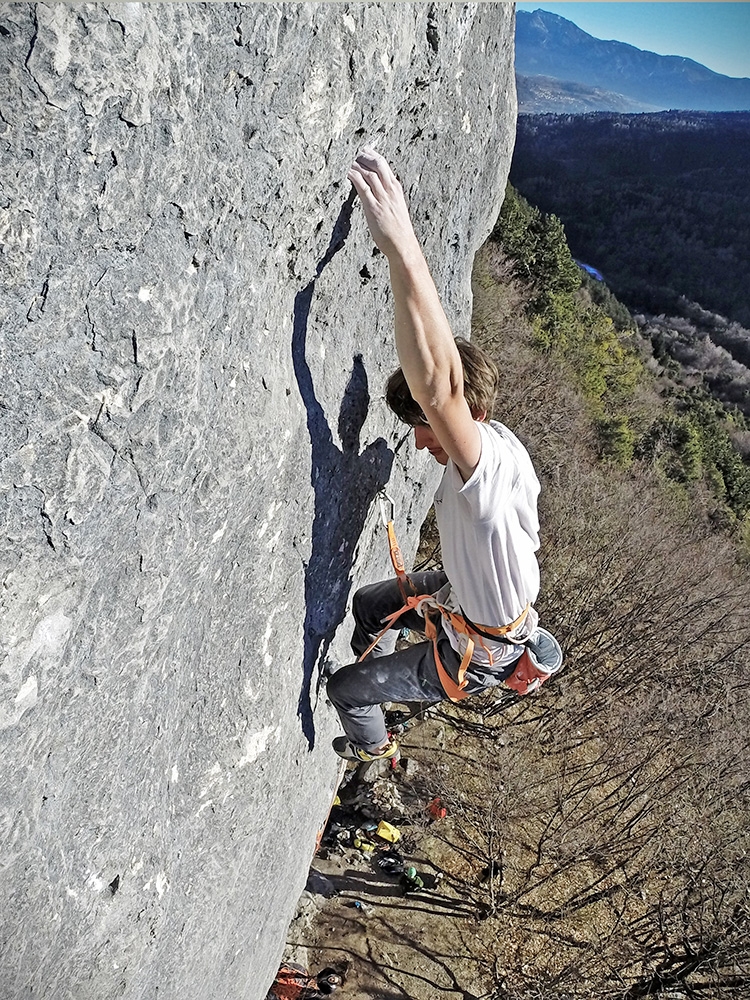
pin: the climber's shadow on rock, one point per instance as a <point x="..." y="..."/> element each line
<point x="344" y="479"/>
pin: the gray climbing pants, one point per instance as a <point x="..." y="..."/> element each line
<point x="407" y="675"/>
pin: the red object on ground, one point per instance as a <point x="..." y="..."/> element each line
<point x="436" y="809"/>
<point x="293" y="983"/>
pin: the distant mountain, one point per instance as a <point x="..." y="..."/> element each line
<point x="539" y="95"/>
<point x="551" y="46"/>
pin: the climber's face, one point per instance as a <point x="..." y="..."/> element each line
<point x="425" y="437"/>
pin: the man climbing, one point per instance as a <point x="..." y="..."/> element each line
<point x="485" y="507"/>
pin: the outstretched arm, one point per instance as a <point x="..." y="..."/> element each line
<point x="426" y="349"/>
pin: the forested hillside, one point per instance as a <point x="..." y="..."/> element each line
<point x="627" y="849"/>
<point x="659" y="202"/>
<point x="548" y="95"/>
<point x="644" y="408"/>
<point x="614" y="812"/>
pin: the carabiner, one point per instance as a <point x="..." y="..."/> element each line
<point x="386" y="512"/>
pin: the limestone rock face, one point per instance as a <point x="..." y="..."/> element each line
<point x="196" y="335"/>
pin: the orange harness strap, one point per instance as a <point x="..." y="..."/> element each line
<point x="455" y="691"/>
<point x="398" y="560"/>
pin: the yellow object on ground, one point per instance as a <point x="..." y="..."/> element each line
<point x="388" y="832"/>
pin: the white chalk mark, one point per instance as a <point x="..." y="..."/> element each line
<point x="94" y="882"/>
<point x="256" y="745"/>
<point x="26" y="697"/>
<point x="45" y="647"/>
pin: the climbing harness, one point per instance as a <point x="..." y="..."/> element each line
<point x="528" y="674"/>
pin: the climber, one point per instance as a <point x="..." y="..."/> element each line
<point x="485" y="507"/>
<point x="293" y="982"/>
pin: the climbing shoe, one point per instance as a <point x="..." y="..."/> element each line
<point x="348" y="751"/>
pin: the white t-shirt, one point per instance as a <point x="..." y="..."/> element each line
<point x="489" y="535"/>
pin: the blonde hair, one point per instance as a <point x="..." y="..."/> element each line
<point x="481" y="377"/>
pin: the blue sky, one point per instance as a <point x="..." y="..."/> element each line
<point x="715" y="34"/>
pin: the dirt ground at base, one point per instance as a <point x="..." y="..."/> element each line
<point x="524" y="904"/>
<point x="420" y="945"/>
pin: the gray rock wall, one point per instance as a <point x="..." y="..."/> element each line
<point x="195" y="338"/>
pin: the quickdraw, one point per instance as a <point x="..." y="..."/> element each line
<point x="387" y="512"/>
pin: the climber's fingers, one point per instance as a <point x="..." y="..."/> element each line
<point x="383" y="200"/>
<point x="376" y="166"/>
<point x="367" y="183"/>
